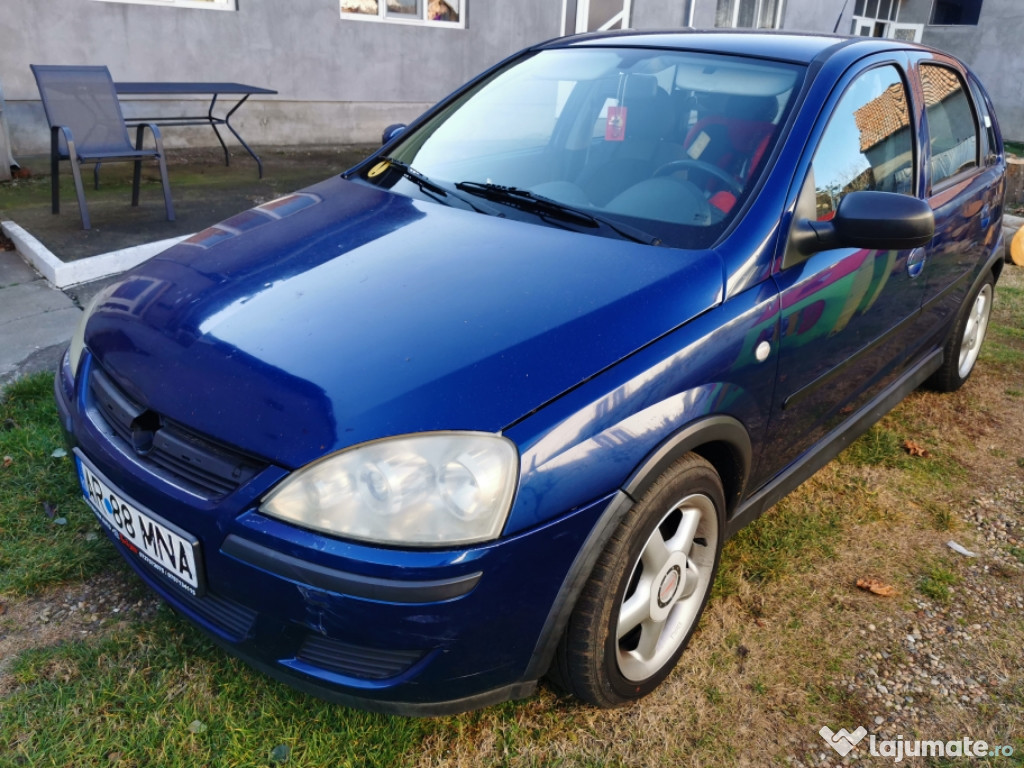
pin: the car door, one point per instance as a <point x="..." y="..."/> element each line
<point x="843" y="310"/>
<point x="962" y="181"/>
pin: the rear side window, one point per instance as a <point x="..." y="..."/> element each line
<point x="990" y="141"/>
<point x="868" y="144"/>
<point x="952" y="125"/>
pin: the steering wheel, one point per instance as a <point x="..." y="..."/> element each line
<point x="734" y="184"/>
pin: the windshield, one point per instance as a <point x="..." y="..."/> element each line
<point x="666" y="142"/>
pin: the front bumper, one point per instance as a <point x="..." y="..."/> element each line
<point x="403" y="631"/>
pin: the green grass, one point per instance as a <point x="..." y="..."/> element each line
<point x="936" y="583"/>
<point x="47" y="533"/>
<point x="881" y="446"/>
<point x="159" y="694"/>
<point x="783" y="541"/>
<point x="1014" y="148"/>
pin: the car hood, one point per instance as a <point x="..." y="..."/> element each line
<point x="343" y="313"/>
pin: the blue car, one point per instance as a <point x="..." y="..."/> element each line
<point x="484" y="408"/>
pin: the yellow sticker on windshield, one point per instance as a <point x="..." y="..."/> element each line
<point x="378" y="169"/>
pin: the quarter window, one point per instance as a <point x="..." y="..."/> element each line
<point x="442" y="12"/>
<point x="952" y="127"/>
<point x="868" y="142"/>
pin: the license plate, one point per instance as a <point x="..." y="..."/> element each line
<point x="166" y="549"/>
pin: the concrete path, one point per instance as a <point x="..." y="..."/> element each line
<point x="36" y="321"/>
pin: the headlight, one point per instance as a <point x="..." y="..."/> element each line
<point x="77" y="345"/>
<point x="438" y="488"/>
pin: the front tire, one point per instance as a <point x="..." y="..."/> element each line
<point x="647" y="591"/>
<point x="964" y="344"/>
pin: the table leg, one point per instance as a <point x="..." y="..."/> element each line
<point x="213" y="123"/>
<point x="227" y="122"/>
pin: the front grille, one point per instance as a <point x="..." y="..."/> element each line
<point x="354" y="660"/>
<point x="206" y="467"/>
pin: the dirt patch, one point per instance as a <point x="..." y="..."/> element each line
<point x="204" y="191"/>
<point x="69" y="612"/>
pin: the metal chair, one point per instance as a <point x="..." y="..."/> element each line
<point x="87" y="126"/>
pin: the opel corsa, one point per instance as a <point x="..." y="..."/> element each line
<point x="485" y="408"/>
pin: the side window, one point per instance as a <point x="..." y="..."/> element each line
<point x="868" y="143"/>
<point x="952" y="127"/>
<point x="990" y="142"/>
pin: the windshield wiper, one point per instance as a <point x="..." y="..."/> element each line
<point x="543" y="206"/>
<point x="425" y="183"/>
<point x="433" y="188"/>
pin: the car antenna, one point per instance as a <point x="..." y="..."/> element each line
<point x="842" y="10"/>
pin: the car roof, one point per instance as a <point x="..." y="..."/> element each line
<point x="784" y="46"/>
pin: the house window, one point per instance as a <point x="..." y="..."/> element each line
<point x="216" y="5"/>
<point x="875" y="18"/>
<point x="950" y="12"/>
<point x="441" y="12"/>
<point x="594" y="15"/>
<point x="749" y="14"/>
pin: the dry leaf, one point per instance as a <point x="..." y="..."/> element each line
<point x="915" y="450"/>
<point x="7" y="461"/>
<point x="876" y="587"/>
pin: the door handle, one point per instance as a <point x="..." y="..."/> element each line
<point x="915" y="262"/>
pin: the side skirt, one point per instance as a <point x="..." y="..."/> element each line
<point x="832" y="445"/>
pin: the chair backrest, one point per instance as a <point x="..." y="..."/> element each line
<point x="642" y="146"/>
<point x="735" y="138"/>
<point x="83" y="99"/>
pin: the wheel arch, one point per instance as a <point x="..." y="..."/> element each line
<point x="721" y="440"/>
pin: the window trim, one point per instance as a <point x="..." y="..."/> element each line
<point x="382" y="17"/>
<point x="203" y="5"/>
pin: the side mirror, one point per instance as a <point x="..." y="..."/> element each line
<point x="878" y="221"/>
<point x="391" y="132"/>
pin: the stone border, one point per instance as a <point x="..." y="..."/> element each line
<point x="62" y="274"/>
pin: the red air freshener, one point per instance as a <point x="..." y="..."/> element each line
<point x="615" y="128"/>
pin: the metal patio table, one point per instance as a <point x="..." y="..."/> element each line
<point x="214" y="90"/>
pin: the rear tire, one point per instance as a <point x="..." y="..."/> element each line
<point x="648" y="589"/>
<point x="963" y="346"/>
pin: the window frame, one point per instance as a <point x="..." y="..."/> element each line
<point x="383" y="17"/>
<point x="980" y="132"/>
<point x="806" y="192"/>
<point x="203" y="5"/>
